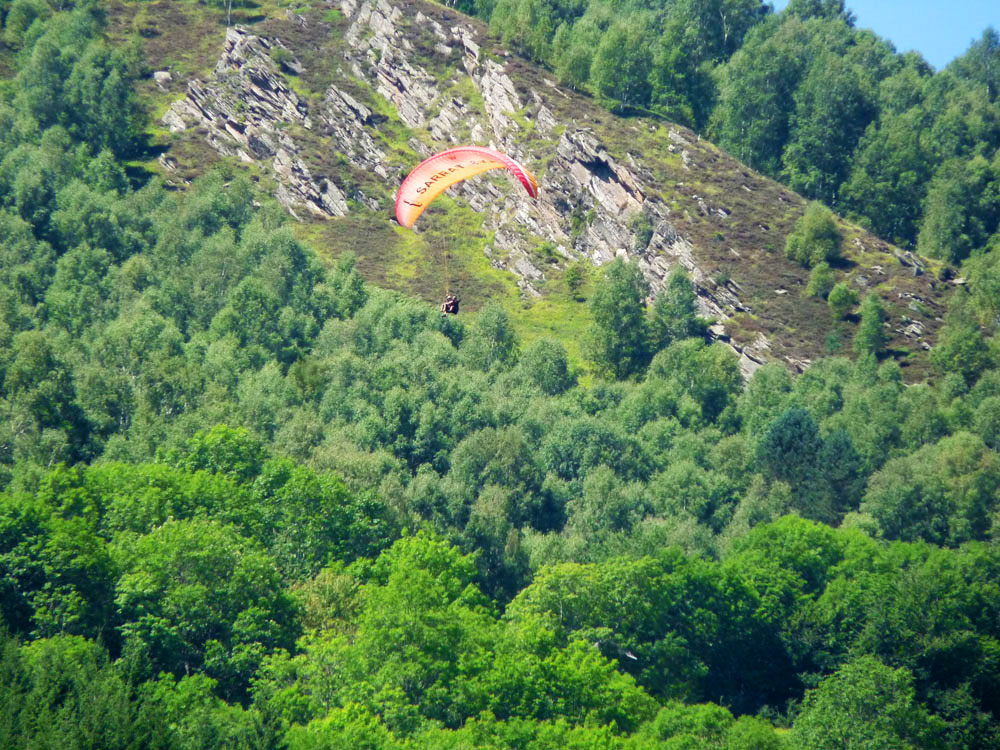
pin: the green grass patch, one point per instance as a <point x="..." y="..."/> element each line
<point x="554" y="316"/>
<point x="462" y="87"/>
<point x="409" y="257"/>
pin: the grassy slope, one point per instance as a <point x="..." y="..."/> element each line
<point x="742" y="248"/>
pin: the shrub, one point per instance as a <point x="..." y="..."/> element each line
<point x="821" y="281"/>
<point x="815" y="238"/>
<point x="841" y="299"/>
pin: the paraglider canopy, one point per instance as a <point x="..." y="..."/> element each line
<point x="435" y="174"/>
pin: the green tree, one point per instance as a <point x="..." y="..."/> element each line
<point x="986" y="423"/>
<point x="831" y="113"/>
<point x="101" y="102"/>
<point x="891" y="167"/>
<point x="674" y="314"/>
<point x="764" y="398"/>
<point x="752" y="117"/>
<point x="501" y="458"/>
<point x="250" y="317"/>
<point x="707" y="373"/>
<point x="422" y="635"/>
<point x="983" y="271"/>
<point x="900" y="603"/>
<point x="575" y="277"/>
<point x="819" y="9"/>
<point x="79" y="291"/>
<point x="642" y="231"/>
<point x="607" y="504"/>
<point x="59" y="573"/>
<point x="871" y="337"/>
<point x="821" y="281"/>
<point x="349" y="726"/>
<point x="943" y="493"/>
<point x="685" y="489"/>
<point x="39" y="384"/>
<point x="69" y="77"/>
<point x="703" y="725"/>
<point x="673" y="622"/>
<point x="190" y="715"/>
<point x="680" y="88"/>
<point x="962" y="208"/>
<point x="575" y="42"/>
<point x="871" y="412"/>
<point x="751" y="733"/>
<point x="866" y="704"/>
<point x="571" y="62"/>
<point x="492" y="342"/>
<point x="961" y="347"/>
<point x="306" y="520"/>
<point x="842" y="469"/>
<point x="790" y="561"/>
<point x="575" y="684"/>
<point x="545" y="363"/>
<point x="64" y="692"/>
<point x="979" y="63"/>
<point x="20" y="14"/>
<point x="346" y="290"/>
<point x="716" y="28"/>
<point x="526" y="25"/>
<point x="790" y="447"/>
<point x="815" y="237"/>
<point x="572" y="446"/>
<point x="841" y="299"/>
<point x="195" y="596"/>
<point x="620" y="69"/>
<point x="617" y="340"/>
<point x="234" y="452"/>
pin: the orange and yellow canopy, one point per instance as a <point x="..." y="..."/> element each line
<point x="435" y="174"/>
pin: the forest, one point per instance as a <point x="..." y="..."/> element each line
<point x="251" y="501"/>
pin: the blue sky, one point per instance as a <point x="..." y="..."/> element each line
<point x="940" y="30"/>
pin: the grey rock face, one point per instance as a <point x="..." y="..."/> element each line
<point x="245" y="109"/>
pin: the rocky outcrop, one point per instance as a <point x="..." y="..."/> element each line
<point x="245" y="110"/>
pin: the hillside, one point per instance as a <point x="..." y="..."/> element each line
<point x="250" y="500"/>
<point x="330" y="107"/>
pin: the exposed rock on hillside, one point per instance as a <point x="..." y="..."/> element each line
<point x="245" y="109"/>
<point x="605" y="187"/>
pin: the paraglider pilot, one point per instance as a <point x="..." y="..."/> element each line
<point x="450" y="305"/>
